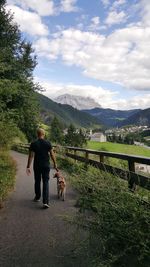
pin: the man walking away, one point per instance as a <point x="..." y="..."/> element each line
<point x="41" y="150"/>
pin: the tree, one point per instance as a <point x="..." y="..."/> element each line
<point x="56" y="133"/>
<point x="70" y="137"/>
<point x="17" y="62"/>
<point x="82" y="139"/>
<point x="75" y="138"/>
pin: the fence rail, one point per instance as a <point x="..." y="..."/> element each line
<point x="130" y="175"/>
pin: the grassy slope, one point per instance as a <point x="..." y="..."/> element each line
<point x="117" y="223"/>
<point x="7" y="174"/>
<point x="119" y="148"/>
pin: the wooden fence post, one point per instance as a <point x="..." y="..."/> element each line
<point x="101" y="158"/>
<point x="131" y="165"/>
<point x="86" y="156"/>
<point x="75" y="152"/>
<point x="131" y="182"/>
<point x="66" y="151"/>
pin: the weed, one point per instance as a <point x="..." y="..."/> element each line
<point x="116" y="220"/>
<point x="7" y="174"/>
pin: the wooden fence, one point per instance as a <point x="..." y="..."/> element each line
<point x="83" y="155"/>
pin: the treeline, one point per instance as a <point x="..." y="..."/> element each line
<point x="18" y="105"/>
<point x="130" y="138"/>
<point x="72" y="136"/>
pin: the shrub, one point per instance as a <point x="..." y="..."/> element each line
<point x="116" y="220"/>
<point x="7" y="174"/>
<point x="10" y="134"/>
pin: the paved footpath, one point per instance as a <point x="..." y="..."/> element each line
<point x="31" y="236"/>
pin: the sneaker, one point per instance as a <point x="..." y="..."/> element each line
<point x="45" y="206"/>
<point x="36" y="199"/>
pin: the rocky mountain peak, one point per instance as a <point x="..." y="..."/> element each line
<point x="78" y="102"/>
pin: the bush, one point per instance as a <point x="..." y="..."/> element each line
<point x="10" y="134"/>
<point x="117" y="221"/>
<point x="7" y="174"/>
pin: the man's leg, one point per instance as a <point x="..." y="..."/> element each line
<point x="37" y="185"/>
<point x="45" y="177"/>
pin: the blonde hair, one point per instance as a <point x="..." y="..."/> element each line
<point x="40" y="132"/>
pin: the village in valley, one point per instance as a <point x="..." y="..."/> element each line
<point x="121" y="133"/>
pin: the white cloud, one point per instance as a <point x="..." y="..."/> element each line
<point x="106" y="3"/>
<point x="118" y="3"/>
<point x="145" y="12"/>
<point x="122" y="57"/>
<point x="103" y="96"/>
<point x="95" y="24"/>
<point x="68" y="5"/>
<point x="29" y="22"/>
<point x="46" y="49"/>
<point x="46" y="7"/>
<point x="42" y="7"/>
<point x="115" y="17"/>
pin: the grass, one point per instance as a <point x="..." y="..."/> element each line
<point x="7" y="174"/>
<point x="119" y="148"/>
<point x="116" y="220"/>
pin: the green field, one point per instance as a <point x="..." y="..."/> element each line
<point x="119" y="148"/>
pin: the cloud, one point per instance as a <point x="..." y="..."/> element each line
<point x="106" y="3"/>
<point x="144" y="6"/>
<point x="46" y="7"/>
<point x="103" y="96"/>
<point x="68" y="5"/>
<point x="42" y="7"/>
<point x="95" y="24"/>
<point x="122" y="57"/>
<point x="118" y="3"/>
<point x="29" y="22"/>
<point x="115" y="17"/>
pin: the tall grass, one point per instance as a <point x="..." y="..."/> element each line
<point x="116" y="220"/>
<point x="7" y="174"/>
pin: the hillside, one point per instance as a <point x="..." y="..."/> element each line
<point x="110" y="117"/>
<point x="65" y="113"/>
<point x="140" y="118"/>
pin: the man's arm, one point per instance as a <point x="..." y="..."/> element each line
<point x="30" y="158"/>
<point x="52" y="154"/>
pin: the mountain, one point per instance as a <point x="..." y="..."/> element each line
<point x="77" y="102"/>
<point x="140" y="118"/>
<point x="110" y="117"/>
<point x="65" y="113"/>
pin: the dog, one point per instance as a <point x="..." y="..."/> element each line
<point x="61" y="185"/>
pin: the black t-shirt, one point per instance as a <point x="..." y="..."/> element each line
<point x="41" y="148"/>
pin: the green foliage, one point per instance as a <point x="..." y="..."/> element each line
<point x="56" y="133"/>
<point x="75" y="138"/>
<point x="17" y="90"/>
<point x="7" y="174"/>
<point x="10" y="134"/>
<point x="116" y="220"/>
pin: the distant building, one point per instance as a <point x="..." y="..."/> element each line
<point x="99" y="137"/>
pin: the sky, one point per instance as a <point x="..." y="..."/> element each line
<point x="91" y="48"/>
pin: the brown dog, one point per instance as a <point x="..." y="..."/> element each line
<point x="61" y="185"/>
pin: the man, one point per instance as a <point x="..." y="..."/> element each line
<point x="40" y="150"/>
